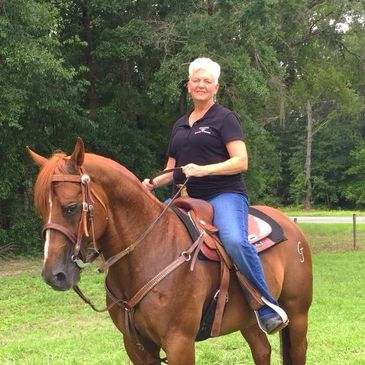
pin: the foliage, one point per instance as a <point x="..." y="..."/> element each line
<point x="114" y="73"/>
<point x="355" y="191"/>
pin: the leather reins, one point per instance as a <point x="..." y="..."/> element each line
<point x="112" y="260"/>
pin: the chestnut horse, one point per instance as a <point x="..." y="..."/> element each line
<point x="168" y="316"/>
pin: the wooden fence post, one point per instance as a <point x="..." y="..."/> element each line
<point x="354" y="231"/>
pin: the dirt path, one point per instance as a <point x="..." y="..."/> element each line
<point x="19" y="266"/>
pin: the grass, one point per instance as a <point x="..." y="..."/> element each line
<point x="295" y="212"/>
<point x="333" y="237"/>
<point x="39" y="326"/>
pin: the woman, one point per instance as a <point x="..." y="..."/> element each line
<point x="208" y="144"/>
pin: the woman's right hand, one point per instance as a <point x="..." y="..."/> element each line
<point x="147" y="184"/>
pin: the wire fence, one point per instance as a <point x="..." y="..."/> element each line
<point x="333" y="233"/>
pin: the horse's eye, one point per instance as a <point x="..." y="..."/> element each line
<point x="70" y="209"/>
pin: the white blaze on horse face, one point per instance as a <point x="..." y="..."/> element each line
<point x="48" y="231"/>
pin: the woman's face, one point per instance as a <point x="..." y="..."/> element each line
<point x="201" y="86"/>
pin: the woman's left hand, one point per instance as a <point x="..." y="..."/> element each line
<point x="192" y="169"/>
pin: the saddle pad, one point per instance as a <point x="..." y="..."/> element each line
<point x="257" y="229"/>
<point x="264" y="232"/>
<point x="277" y="234"/>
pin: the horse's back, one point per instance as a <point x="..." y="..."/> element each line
<point x="288" y="265"/>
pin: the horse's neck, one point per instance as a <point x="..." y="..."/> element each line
<point x="151" y="255"/>
<point x="131" y="211"/>
<point x="130" y="207"/>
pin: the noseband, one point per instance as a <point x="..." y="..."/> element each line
<point x="86" y="223"/>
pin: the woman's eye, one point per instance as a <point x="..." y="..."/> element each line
<point x="70" y="209"/>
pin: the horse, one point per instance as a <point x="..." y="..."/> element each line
<point x="122" y="219"/>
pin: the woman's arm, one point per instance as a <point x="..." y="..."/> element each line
<point x="237" y="163"/>
<point x="162" y="179"/>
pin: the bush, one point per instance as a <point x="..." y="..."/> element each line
<point x="23" y="237"/>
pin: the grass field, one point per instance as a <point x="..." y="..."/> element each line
<point x="333" y="237"/>
<point x="295" y="212"/>
<point x="41" y="326"/>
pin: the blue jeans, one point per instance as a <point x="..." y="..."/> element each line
<point x="231" y="218"/>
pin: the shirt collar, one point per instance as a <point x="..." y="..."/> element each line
<point x="185" y="118"/>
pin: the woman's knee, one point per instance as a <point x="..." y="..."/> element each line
<point x="238" y="245"/>
<point x="233" y="245"/>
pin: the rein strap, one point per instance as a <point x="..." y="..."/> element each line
<point x="112" y="260"/>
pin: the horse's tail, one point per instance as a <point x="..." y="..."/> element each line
<point x="285" y="346"/>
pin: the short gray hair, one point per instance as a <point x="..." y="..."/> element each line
<point x="206" y="64"/>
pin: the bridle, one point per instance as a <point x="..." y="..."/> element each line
<point x="87" y="216"/>
<point x="86" y="223"/>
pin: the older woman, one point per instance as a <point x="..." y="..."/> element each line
<point x="208" y="143"/>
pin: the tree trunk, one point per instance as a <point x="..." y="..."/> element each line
<point x="86" y="36"/>
<point x="308" y="158"/>
<point x="211" y="7"/>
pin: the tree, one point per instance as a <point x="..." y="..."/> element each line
<point x="39" y="106"/>
<point x="319" y="87"/>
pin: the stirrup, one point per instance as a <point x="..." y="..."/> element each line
<point x="279" y="311"/>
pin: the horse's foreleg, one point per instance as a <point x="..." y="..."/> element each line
<point x="259" y="344"/>
<point x="148" y="356"/>
<point x="180" y="350"/>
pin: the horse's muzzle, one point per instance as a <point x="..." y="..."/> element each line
<point x="61" y="279"/>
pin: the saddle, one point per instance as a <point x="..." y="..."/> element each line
<point x="264" y="232"/>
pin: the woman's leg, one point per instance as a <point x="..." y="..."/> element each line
<point x="230" y="217"/>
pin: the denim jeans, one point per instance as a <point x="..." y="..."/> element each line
<point x="231" y="218"/>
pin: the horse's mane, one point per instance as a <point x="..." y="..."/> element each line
<point x="120" y="170"/>
<point x="58" y="164"/>
<point x="43" y="183"/>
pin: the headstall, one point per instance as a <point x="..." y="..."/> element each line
<point x="86" y="223"/>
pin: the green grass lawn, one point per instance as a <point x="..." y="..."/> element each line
<point x="295" y="212"/>
<point x="333" y="237"/>
<point x="40" y="326"/>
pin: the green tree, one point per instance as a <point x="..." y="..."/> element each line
<point x="39" y="106"/>
<point x="319" y="84"/>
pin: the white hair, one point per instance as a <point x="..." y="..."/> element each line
<point x="205" y="64"/>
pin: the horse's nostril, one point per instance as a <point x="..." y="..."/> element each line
<point x="60" y="277"/>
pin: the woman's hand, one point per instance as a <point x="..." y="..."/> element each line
<point x="192" y="169"/>
<point x="146" y="183"/>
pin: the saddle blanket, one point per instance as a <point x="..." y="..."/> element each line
<point x="263" y="231"/>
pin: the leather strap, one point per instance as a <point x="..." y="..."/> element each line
<point x="163" y="172"/>
<point x="251" y="294"/>
<point x="222" y="300"/>
<point x="90" y="303"/>
<point x="112" y="260"/>
<point x="185" y="256"/>
<point x="59" y="228"/>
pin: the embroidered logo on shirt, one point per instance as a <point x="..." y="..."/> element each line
<point x="203" y="130"/>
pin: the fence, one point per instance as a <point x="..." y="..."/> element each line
<point x="334" y="233"/>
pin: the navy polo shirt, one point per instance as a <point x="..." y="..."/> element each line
<point x="205" y="143"/>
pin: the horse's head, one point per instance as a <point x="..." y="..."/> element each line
<point x="67" y="201"/>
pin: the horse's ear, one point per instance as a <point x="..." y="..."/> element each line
<point x="38" y="159"/>
<point x="79" y="153"/>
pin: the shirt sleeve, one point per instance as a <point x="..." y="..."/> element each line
<point x="170" y="150"/>
<point x="231" y="129"/>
